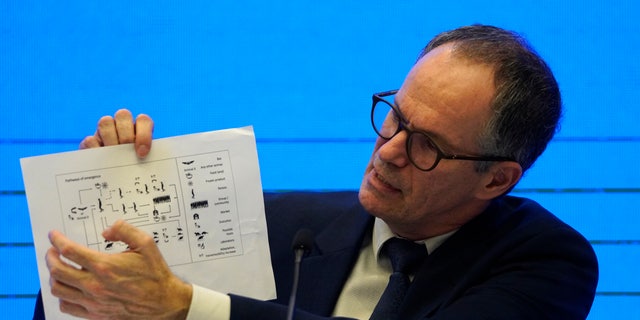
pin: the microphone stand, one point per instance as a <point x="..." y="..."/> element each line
<point x="302" y="242"/>
<point x="294" y="289"/>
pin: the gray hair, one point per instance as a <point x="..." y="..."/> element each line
<point x="527" y="105"/>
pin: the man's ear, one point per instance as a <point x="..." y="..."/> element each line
<point x="499" y="179"/>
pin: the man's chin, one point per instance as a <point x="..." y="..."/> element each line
<point x="366" y="197"/>
<point x="371" y="201"/>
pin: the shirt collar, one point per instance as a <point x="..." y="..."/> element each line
<point x="382" y="233"/>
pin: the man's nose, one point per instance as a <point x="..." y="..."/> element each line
<point x="394" y="150"/>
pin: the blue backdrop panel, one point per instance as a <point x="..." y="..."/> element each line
<point x="302" y="73"/>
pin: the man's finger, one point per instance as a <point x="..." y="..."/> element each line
<point x="73" y="309"/>
<point x="144" y="135"/>
<point x="65" y="280"/>
<point x="135" y="238"/>
<point x="81" y="255"/>
<point x="63" y="291"/>
<point x="124" y="126"/>
<point x="106" y="132"/>
<point x="91" y="142"/>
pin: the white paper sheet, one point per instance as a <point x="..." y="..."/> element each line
<point x="198" y="195"/>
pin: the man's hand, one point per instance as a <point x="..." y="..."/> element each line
<point x="135" y="284"/>
<point x="121" y="129"/>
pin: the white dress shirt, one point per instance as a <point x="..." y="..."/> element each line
<point x="370" y="275"/>
<point x="359" y="296"/>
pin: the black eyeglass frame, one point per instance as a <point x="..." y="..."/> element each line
<point x="378" y="97"/>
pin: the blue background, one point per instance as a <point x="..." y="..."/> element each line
<point x="302" y="73"/>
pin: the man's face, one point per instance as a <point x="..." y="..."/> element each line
<point x="449" y="98"/>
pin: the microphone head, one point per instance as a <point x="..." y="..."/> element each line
<point x="303" y="240"/>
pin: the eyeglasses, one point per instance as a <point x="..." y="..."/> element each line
<point x="423" y="153"/>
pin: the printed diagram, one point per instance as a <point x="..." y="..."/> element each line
<point x="187" y="204"/>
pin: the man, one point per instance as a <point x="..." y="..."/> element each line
<point x="475" y="111"/>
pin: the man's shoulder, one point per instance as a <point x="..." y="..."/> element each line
<point x="525" y="212"/>
<point x="310" y="204"/>
<point x="307" y="196"/>
<point x="286" y="212"/>
<point x="524" y="220"/>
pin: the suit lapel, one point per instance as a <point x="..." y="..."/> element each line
<point x="325" y="270"/>
<point x="450" y="265"/>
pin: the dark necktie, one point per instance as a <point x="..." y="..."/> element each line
<point x="405" y="256"/>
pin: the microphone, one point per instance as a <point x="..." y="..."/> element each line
<point x="301" y="245"/>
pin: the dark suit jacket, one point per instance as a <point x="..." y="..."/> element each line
<point x="514" y="261"/>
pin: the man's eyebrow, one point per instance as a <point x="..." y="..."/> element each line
<point x="437" y="138"/>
